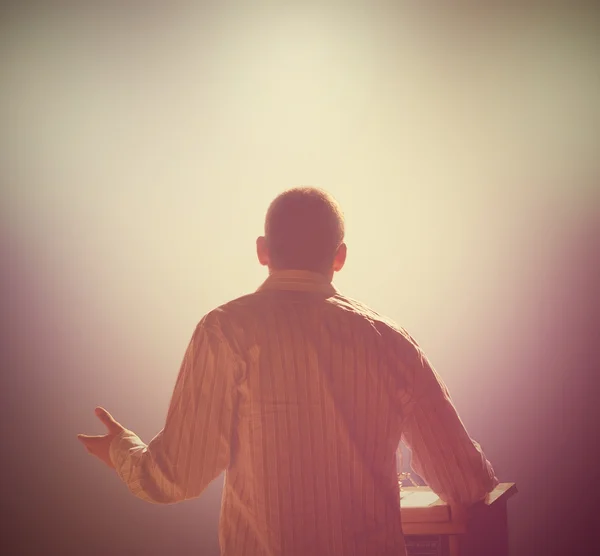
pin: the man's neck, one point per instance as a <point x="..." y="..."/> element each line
<point x="279" y="271"/>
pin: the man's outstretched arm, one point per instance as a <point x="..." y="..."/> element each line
<point x="194" y="446"/>
<point x="443" y="454"/>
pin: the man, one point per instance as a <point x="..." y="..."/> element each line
<point x="302" y="396"/>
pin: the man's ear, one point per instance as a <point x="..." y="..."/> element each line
<point x="340" y="257"/>
<point x="262" y="251"/>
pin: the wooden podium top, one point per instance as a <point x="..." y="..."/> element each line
<point x="423" y="513"/>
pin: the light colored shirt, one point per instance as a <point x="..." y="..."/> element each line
<point x="302" y="396"/>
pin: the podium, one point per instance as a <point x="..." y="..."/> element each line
<point x="431" y="528"/>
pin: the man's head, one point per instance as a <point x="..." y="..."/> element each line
<point x="304" y="230"/>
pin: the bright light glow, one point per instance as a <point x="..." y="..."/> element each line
<point x="140" y="151"/>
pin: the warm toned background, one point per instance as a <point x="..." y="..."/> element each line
<point x="139" y="148"/>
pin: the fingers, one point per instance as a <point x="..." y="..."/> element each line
<point x="107" y="420"/>
<point x="85" y="437"/>
<point x="98" y="446"/>
<point x="89" y="441"/>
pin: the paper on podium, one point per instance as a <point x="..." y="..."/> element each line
<point x="417" y="498"/>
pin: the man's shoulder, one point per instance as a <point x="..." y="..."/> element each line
<point x="241" y="311"/>
<point x="381" y="322"/>
<point x="231" y="310"/>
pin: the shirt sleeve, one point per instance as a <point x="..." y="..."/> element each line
<point x="443" y="454"/>
<point x="195" y="444"/>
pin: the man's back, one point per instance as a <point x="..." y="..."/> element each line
<point x="313" y="468"/>
<point x="301" y="395"/>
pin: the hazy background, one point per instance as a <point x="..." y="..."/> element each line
<point x="139" y="149"/>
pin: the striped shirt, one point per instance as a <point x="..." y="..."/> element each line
<point x="302" y="396"/>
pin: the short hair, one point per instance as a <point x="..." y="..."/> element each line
<point x="304" y="228"/>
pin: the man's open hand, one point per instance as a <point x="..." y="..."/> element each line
<point x="99" y="446"/>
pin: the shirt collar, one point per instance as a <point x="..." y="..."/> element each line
<point x="298" y="280"/>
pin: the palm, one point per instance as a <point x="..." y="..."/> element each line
<point x="99" y="446"/>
